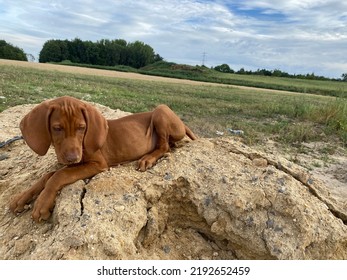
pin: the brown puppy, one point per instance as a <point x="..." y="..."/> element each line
<point x="88" y="144"/>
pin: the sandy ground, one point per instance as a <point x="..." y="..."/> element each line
<point x="330" y="169"/>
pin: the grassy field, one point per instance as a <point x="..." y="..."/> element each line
<point x="198" y="73"/>
<point x="285" y="117"/>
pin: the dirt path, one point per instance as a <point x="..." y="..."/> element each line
<point x="126" y="75"/>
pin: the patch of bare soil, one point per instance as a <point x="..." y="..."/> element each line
<point x="325" y="162"/>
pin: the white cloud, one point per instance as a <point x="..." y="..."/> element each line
<point x="293" y="35"/>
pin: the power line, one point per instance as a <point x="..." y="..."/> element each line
<point x="203" y="58"/>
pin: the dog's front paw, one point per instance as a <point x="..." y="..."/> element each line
<point x="43" y="207"/>
<point x="146" y="162"/>
<point x="19" y="202"/>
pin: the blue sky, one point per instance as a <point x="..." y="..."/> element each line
<point x="296" y="36"/>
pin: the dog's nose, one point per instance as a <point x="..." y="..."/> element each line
<point x="71" y="157"/>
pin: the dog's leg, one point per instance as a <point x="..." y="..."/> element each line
<point x="19" y="201"/>
<point x="169" y="129"/>
<point x="46" y="200"/>
<point x="148" y="160"/>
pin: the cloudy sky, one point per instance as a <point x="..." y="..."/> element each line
<point x="296" y="36"/>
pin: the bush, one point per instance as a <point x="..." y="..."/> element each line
<point x="224" y="68"/>
<point x="8" y="51"/>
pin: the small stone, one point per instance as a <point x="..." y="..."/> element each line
<point x="178" y="230"/>
<point x="278" y="229"/>
<point x="168" y="176"/>
<point x="259" y="162"/>
<point x="167" y="249"/>
<point x="270" y="223"/>
<point x="249" y="221"/>
<point x="119" y="208"/>
<point x="208" y="201"/>
<point x="4" y="156"/>
<point x="281" y="181"/>
<point x="21" y="246"/>
<point x="310" y="181"/>
<point x="254" y="179"/>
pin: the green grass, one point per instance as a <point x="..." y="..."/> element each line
<point x="332" y="88"/>
<point x="198" y="73"/>
<point x="286" y="117"/>
<point x="122" y="68"/>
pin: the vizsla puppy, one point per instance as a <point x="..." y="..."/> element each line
<point x="88" y="144"/>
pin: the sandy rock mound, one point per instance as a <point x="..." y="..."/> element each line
<point x="208" y="199"/>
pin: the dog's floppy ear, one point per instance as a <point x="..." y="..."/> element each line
<point x="35" y="128"/>
<point x="97" y="129"/>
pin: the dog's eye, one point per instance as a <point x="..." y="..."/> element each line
<point x="57" y="128"/>
<point x="81" y="128"/>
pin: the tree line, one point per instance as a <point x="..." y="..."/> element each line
<point x="225" y="68"/>
<point x="8" y="51"/>
<point x="120" y="52"/>
<point x="104" y="52"/>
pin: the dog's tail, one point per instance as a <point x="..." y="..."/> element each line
<point x="190" y="133"/>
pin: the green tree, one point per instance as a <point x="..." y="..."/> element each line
<point x="104" y="52"/>
<point x="8" y="51"/>
<point x="224" y="68"/>
<point x="92" y="53"/>
<point x="111" y="52"/>
<point x="123" y="51"/>
<point x="140" y="54"/>
<point x="77" y="51"/>
<point x="344" y="77"/>
<point x="54" y="51"/>
<point x="242" y="71"/>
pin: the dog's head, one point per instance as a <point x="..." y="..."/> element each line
<point x="73" y="127"/>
